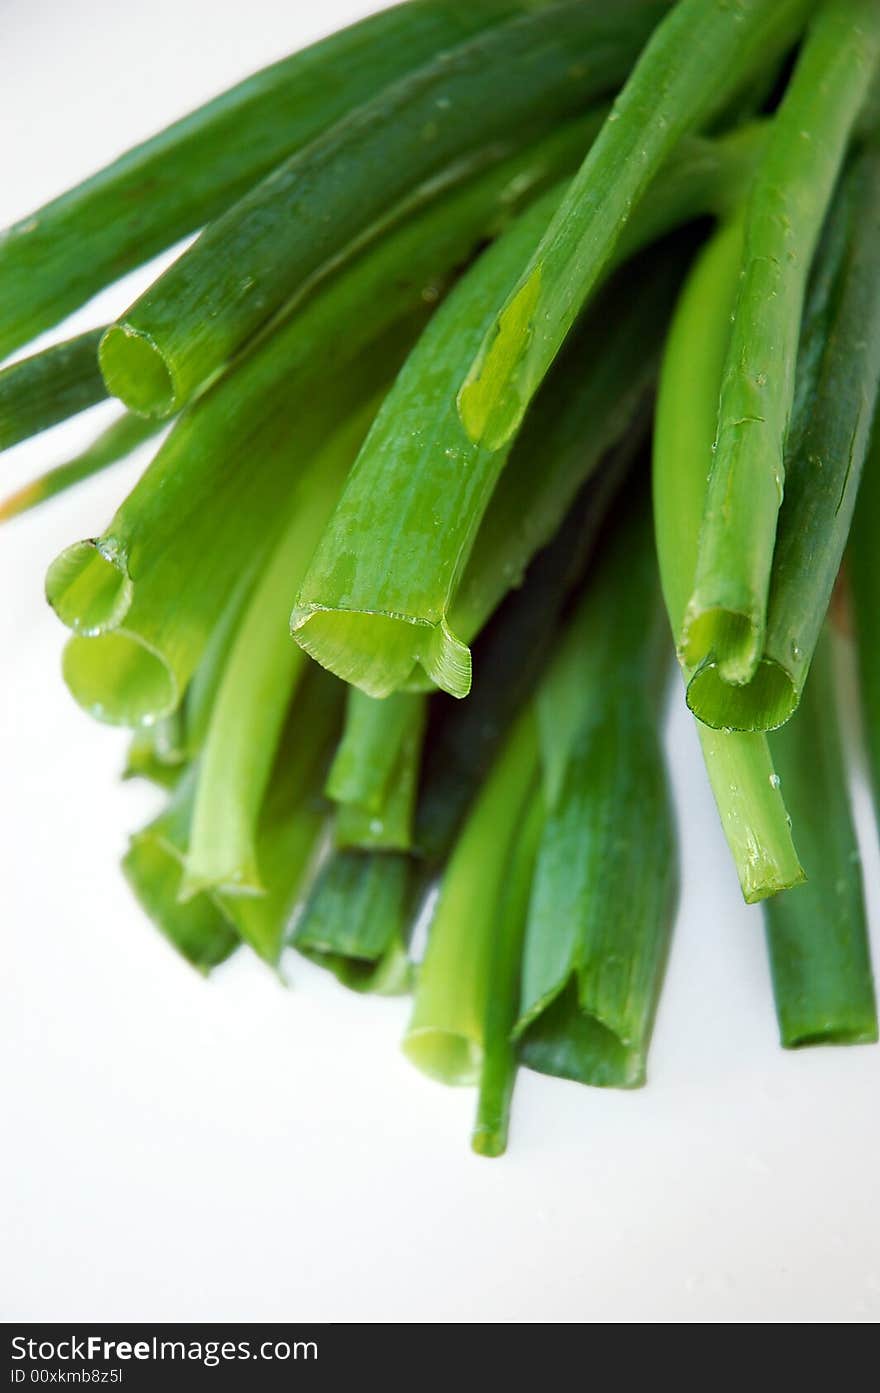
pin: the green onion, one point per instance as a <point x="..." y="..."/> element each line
<point x="153" y="868"/>
<point x="147" y="628"/>
<point x="374" y="776"/>
<point x="696" y="60"/>
<point x="194" y="713"/>
<point x="259" y="678"/>
<point x="838" y="375"/>
<point x="355" y="920"/>
<point x="446" y="1036"/>
<point x="413" y="358"/>
<point x="48" y="387"/>
<point x="189" y="173"/>
<point x="817" y="934"/>
<point x="373" y="613"/>
<point x="725" y="621"/>
<point x="498" y="1071"/>
<point x="464" y="737"/>
<point x="599" y="387"/>
<point x="376" y="612"/>
<point x="177" y="547"/>
<point x="292" y="816"/>
<point x="115" y="443"/>
<point x="744" y="782"/>
<point x="157" y="753"/>
<point x="508" y="84"/>
<point x="605" y="885"/>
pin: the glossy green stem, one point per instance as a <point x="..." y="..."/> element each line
<point x="292" y="817"/>
<point x="740" y="769"/>
<point x="261" y="673"/>
<point x="374" y="776"/>
<point x="817" y="934"/>
<point x="453" y="114"/>
<point x="726" y="616"/>
<point x="189" y="174"/>
<point x="48" y="387"/>
<point x="697" y="58"/>
<point x="605" y="887"/>
<point x="377" y="605"/>
<point x="498" y="1073"/>
<point x="446" y="1035"/>
<point x="836" y="388"/>
<point x="599" y="386"/>
<point x="153" y="868"/>
<point x="373" y="606"/>
<point x="154" y="582"/>
<point x="355" y="921"/>
<point x="464" y="737"/>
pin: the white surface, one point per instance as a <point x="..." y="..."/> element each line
<point x="231" y="1151"/>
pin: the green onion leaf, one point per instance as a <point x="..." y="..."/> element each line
<point x="606" y="878"/>
<point x="154" y="582"/>
<point x="153" y="867"/>
<point x="498" y="1072"/>
<point x="464" y="737"/>
<point x="188" y="174"/>
<point x="48" y="387"/>
<point x="375" y="605"/>
<point x="838" y="374"/>
<point x="259" y="678"/>
<point x="374" y="777"/>
<point x="508" y="84"/>
<point x="292" y="816"/>
<point x="696" y="60"/>
<point x="355" y="920"/>
<point x="817" y="933"/>
<point x="725" y="620"/>
<point x="744" y="782"/>
<point x="446" y="1036"/>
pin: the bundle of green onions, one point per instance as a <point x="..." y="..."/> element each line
<point x="388" y="613"/>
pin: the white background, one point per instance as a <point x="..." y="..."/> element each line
<point x="179" y="1150"/>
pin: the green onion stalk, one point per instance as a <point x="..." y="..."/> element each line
<point x="374" y="776"/>
<point x="836" y="386"/>
<point x="464" y="737"/>
<point x="291" y="821"/>
<point x="188" y="175"/>
<point x="744" y="782"/>
<point x="696" y="61"/>
<point x="451" y="116"/>
<point x="817" y="934"/>
<point x="197" y="927"/>
<point x="725" y="621"/>
<point x="260" y="675"/>
<point x="148" y="589"/>
<point x="356" y="919"/>
<point x="48" y="387"/>
<point x="380" y="605"/>
<point x="446" y="1035"/>
<point x="605" y="885"/>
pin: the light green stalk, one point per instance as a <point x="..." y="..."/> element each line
<point x="744" y="782"/>
<point x="695" y="61"/>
